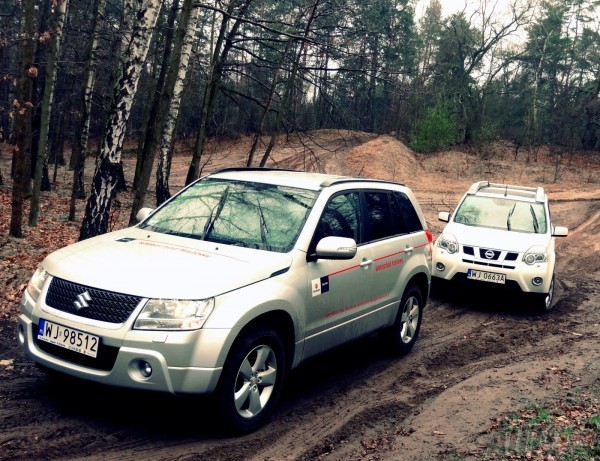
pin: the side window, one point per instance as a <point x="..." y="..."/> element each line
<point x="413" y="224"/>
<point x="340" y="218"/>
<point x="382" y="222"/>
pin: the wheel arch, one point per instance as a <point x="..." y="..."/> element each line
<point x="282" y="323"/>
<point x="421" y="281"/>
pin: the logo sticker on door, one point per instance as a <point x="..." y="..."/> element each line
<point x="320" y="286"/>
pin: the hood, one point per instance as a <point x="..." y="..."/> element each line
<point x="153" y="265"/>
<point x="497" y="239"/>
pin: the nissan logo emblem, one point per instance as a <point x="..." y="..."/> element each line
<point x="489" y="254"/>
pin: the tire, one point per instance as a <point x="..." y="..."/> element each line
<point x="401" y="338"/>
<point x="251" y="380"/>
<point x="543" y="301"/>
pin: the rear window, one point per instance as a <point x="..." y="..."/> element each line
<point x="384" y="217"/>
<point x="413" y="223"/>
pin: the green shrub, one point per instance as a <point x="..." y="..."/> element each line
<point x="436" y="131"/>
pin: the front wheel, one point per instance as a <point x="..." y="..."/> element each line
<point x="251" y="380"/>
<point x="543" y="302"/>
<point x="402" y="336"/>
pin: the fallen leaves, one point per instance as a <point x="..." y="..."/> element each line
<point x="567" y="428"/>
<point x="20" y="257"/>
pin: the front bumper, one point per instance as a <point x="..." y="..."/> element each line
<point x="519" y="276"/>
<point x="181" y="362"/>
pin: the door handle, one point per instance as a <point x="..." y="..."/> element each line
<point x="366" y="262"/>
<point x="409" y="249"/>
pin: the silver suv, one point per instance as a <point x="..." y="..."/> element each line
<point x="235" y="281"/>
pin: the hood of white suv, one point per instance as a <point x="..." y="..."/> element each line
<point x="497" y="239"/>
<point x="153" y="265"/>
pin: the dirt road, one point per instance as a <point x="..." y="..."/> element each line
<point x="476" y="359"/>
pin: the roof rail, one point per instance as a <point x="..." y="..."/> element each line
<point x="537" y="192"/>
<point x="342" y="179"/>
<point x="476" y="187"/>
<point x="249" y="168"/>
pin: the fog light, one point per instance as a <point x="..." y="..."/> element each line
<point x="440" y="267"/>
<point x="145" y="369"/>
<point x="537" y="281"/>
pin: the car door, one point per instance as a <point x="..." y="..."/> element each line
<point x="340" y="289"/>
<point x="394" y="249"/>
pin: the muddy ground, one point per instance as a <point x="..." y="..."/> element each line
<point x="479" y="357"/>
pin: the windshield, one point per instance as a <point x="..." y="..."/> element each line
<point x="253" y="215"/>
<point x="502" y="213"/>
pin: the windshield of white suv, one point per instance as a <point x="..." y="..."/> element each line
<point x="502" y="213"/>
<point x="247" y="214"/>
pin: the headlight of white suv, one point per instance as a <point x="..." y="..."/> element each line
<point x="174" y="314"/>
<point x="36" y="283"/>
<point x="536" y="254"/>
<point x="448" y="242"/>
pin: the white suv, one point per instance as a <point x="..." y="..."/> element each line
<point x="501" y="235"/>
<point x="233" y="282"/>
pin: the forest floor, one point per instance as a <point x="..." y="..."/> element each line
<point x="487" y="379"/>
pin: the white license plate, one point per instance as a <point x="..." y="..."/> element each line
<point x="69" y="338"/>
<point x="486" y="276"/>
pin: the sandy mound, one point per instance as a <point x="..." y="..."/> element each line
<point x="383" y="157"/>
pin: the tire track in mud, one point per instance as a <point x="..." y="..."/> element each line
<point x="385" y="391"/>
<point x="457" y="341"/>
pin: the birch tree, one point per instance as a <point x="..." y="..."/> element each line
<point x="80" y="145"/>
<point x="174" y="91"/>
<point x="140" y="19"/>
<point x="156" y="115"/>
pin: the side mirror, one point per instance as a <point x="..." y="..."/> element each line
<point x="560" y="231"/>
<point x="444" y="216"/>
<point x="143" y="214"/>
<point x="336" y="248"/>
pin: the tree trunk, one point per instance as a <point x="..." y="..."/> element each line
<point x="41" y="56"/>
<point x="82" y="130"/>
<point x="156" y="119"/>
<point x="21" y="154"/>
<point x="135" y="46"/>
<point x="289" y="87"/>
<point x="173" y="91"/>
<point x="41" y="164"/>
<point x="269" y="103"/>
<point x="221" y="51"/>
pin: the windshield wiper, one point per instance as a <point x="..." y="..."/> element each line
<point x="536" y="226"/>
<point x="214" y="215"/>
<point x="264" y="230"/>
<point x="510" y="213"/>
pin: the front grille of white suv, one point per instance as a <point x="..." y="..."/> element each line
<point x="479" y="257"/>
<point x="89" y="302"/>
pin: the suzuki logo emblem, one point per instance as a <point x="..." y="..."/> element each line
<point x="82" y="300"/>
<point x="489" y="254"/>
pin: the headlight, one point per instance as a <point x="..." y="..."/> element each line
<point x="448" y="242"/>
<point x="36" y="283"/>
<point x="534" y="255"/>
<point x="174" y="314"/>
